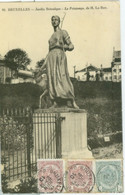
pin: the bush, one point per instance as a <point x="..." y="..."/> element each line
<point x="110" y="90"/>
<point x="14" y="132"/>
<point x="21" y="89"/>
<point x="98" y="98"/>
<point x="83" y="89"/>
<point x="28" y="185"/>
<point x="104" y="115"/>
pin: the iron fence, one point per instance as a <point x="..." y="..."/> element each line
<point x="27" y="136"/>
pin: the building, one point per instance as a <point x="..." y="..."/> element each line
<point x="107" y="74"/>
<point x="88" y="73"/>
<point x="24" y="76"/>
<point x="10" y="75"/>
<point x="116" y="66"/>
<point x="6" y="73"/>
<point x="112" y="73"/>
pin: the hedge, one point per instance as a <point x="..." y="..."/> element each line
<point x="82" y="89"/>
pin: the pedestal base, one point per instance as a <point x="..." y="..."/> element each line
<point x="74" y="135"/>
<point x="85" y="154"/>
<point x="73" y="138"/>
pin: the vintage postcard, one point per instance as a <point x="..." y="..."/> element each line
<point x="60" y="97"/>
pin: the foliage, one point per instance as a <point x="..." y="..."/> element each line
<point x="13" y="132"/>
<point x="100" y="124"/>
<point x="8" y="79"/>
<point x="101" y="100"/>
<point x="104" y="115"/>
<point x="82" y="89"/>
<point x="5" y="187"/>
<point x="94" y="89"/>
<point x="17" y="58"/>
<point x="21" y="89"/>
<point x="16" y="95"/>
<point x="26" y="185"/>
<point x="40" y="63"/>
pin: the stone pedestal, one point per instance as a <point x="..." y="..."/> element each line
<point x="74" y="135"/>
<point x="73" y="132"/>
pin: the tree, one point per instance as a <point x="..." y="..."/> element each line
<point x="17" y="58"/>
<point x="40" y="63"/>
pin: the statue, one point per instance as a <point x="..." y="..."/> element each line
<point x="59" y="86"/>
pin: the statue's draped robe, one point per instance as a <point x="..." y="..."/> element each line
<point x="59" y="83"/>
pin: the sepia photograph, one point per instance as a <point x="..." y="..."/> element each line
<point x="61" y="97"/>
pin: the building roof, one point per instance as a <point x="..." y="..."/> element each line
<point x="89" y="68"/>
<point x="107" y="69"/>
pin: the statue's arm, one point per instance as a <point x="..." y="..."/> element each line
<point x="68" y="46"/>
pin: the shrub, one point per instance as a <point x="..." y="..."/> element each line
<point x="28" y="185"/>
<point x="13" y="132"/>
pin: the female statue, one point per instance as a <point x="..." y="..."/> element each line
<point x="59" y="85"/>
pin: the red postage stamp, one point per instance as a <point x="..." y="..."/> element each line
<point x="50" y="176"/>
<point x="80" y="176"/>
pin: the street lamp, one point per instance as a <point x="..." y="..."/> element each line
<point x="74" y="70"/>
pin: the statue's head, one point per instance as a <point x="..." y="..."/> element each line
<point x="55" y="21"/>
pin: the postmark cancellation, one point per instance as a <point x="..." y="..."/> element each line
<point x="80" y="176"/>
<point x="50" y="176"/>
<point x="109" y="176"/>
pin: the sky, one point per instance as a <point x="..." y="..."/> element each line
<point x="94" y="29"/>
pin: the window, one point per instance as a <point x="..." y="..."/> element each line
<point x="120" y="70"/>
<point x="114" y="70"/>
<point x="115" y="77"/>
<point x="117" y="59"/>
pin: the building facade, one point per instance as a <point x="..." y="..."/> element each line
<point x="87" y="74"/>
<point x="107" y="74"/>
<point x="5" y="72"/>
<point x="116" y="66"/>
<point x="112" y="73"/>
<point x="11" y="76"/>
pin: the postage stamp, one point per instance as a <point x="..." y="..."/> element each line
<point x="80" y="177"/>
<point x="50" y="176"/>
<point x="109" y="177"/>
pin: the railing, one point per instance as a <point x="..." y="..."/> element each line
<point x="27" y="137"/>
